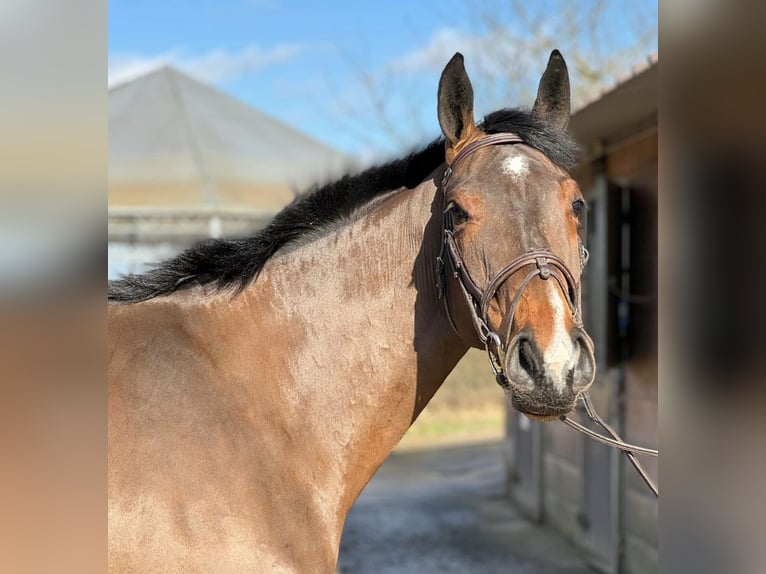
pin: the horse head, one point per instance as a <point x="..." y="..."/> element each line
<point x="511" y="238"/>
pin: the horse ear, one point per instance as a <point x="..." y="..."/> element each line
<point x="455" y="102"/>
<point x="552" y="103"/>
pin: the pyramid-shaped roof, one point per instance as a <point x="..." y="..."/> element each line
<point x="176" y="143"/>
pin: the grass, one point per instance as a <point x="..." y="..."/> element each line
<point x="468" y="406"/>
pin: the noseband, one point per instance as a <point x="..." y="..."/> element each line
<point x="541" y="263"/>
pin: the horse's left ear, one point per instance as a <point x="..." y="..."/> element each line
<point x="552" y="103"/>
<point x="455" y="102"/>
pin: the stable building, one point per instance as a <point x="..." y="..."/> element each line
<point x="188" y="162"/>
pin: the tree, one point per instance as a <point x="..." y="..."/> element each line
<point x="506" y="45"/>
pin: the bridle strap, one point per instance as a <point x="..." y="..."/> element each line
<point x="464" y="281"/>
<point x="485" y="141"/>
<point x="546" y="265"/>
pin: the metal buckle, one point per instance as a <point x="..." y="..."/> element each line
<point x="494" y="359"/>
<point x="584" y="256"/>
<point x="542" y="265"/>
<point x="447" y="175"/>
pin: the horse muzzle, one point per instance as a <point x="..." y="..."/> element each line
<point x="547" y="383"/>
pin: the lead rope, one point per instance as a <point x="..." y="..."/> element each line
<point x="628" y="450"/>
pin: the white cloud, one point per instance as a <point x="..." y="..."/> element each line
<point x="435" y="54"/>
<point x="495" y="47"/>
<point x="215" y="67"/>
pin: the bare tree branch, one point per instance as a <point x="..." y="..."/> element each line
<point x="506" y="46"/>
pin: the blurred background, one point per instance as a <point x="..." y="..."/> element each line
<point x="220" y="114"/>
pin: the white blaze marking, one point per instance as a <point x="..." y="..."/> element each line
<point x="517" y="167"/>
<point x="559" y="357"/>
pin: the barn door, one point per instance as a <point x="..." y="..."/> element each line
<point x="600" y="505"/>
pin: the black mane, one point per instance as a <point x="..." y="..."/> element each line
<point x="234" y="263"/>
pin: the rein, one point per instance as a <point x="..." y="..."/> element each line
<point x="540" y="263"/>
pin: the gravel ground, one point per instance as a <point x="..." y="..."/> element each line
<point x="444" y="510"/>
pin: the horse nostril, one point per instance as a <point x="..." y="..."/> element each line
<point x="527" y="358"/>
<point x="581" y="375"/>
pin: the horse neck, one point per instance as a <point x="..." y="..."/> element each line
<point x="367" y="338"/>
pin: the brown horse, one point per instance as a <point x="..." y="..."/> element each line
<point x="256" y="385"/>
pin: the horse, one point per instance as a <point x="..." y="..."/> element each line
<point x="257" y="384"/>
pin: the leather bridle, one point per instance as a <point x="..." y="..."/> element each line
<point x="538" y="262"/>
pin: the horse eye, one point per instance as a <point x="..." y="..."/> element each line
<point x="577" y="207"/>
<point x="459" y="215"/>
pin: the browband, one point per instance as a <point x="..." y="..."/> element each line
<point x="485" y="141"/>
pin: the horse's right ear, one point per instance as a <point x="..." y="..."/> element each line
<point x="456" y="102"/>
<point x="552" y="103"/>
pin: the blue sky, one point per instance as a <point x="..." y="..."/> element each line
<point x="362" y="76"/>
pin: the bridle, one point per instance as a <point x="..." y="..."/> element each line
<point x="540" y="263"/>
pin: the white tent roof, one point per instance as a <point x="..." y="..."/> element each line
<point x="175" y="142"/>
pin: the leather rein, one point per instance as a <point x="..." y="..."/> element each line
<point x="537" y="263"/>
